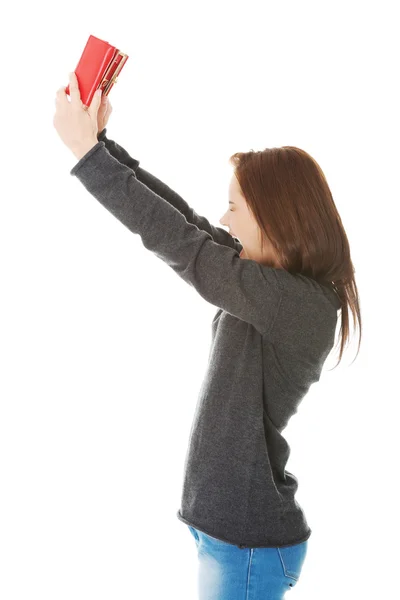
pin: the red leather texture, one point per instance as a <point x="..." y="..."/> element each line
<point x="98" y="67"/>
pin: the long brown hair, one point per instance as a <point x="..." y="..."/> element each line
<point x="288" y="194"/>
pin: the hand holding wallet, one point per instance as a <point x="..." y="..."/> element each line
<point x="98" y="68"/>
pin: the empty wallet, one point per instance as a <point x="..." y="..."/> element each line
<point x="98" y="68"/>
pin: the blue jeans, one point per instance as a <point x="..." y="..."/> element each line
<point x="227" y="572"/>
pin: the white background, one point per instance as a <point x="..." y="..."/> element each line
<point x="104" y="348"/>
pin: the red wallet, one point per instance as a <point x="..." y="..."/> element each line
<point x="98" y="68"/>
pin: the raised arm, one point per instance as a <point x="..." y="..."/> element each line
<point x="242" y="287"/>
<point x="219" y="235"/>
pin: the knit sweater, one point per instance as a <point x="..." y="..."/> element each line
<point x="270" y="337"/>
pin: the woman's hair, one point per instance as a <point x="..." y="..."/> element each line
<point x="287" y="192"/>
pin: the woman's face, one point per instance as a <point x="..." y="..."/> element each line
<point x="242" y="225"/>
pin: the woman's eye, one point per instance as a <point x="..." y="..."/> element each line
<point x="231" y="210"/>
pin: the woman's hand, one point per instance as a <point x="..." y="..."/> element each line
<point x="104" y="113"/>
<point x="76" y="124"/>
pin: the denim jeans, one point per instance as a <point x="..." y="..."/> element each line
<point x="227" y="572"/>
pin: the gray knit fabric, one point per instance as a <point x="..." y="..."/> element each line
<point x="270" y="337"/>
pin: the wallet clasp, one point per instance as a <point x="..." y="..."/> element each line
<point x="111" y="75"/>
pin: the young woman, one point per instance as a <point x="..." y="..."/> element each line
<point x="278" y="278"/>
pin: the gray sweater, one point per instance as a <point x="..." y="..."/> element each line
<point x="270" y="337"/>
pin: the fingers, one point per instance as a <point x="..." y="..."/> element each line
<point x="108" y="109"/>
<point x="104" y="113"/>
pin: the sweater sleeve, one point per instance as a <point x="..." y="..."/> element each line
<point x="219" y="235"/>
<point x="244" y="288"/>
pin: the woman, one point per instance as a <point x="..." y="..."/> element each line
<point x="278" y="278"/>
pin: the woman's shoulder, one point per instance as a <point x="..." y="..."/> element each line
<point x="298" y="286"/>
